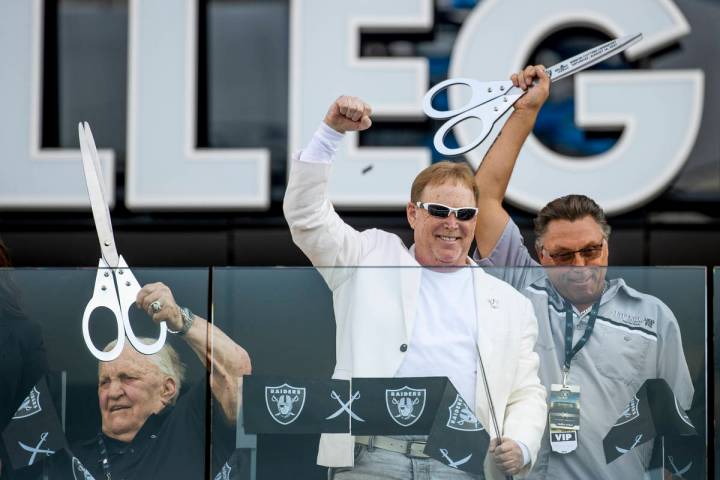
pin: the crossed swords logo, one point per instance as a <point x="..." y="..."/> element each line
<point x="345" y="406"/>
<point x="676" y="470"/>
<point x="454" y="463"/>
<point x="635" y="444"/>
<point x="37" y="448"/>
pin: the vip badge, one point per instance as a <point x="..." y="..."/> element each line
<point x="30" y="406"/>
<point x="462" y="418"/>
<point x="405" y="405"/>
<point x="285" y="402"/>
<point x="631" y="412"/>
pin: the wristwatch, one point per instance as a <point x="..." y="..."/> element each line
<point x="188" y="318"/>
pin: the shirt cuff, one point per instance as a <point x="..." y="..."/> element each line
<point x="525" y="452"/>
<point x="322" y="146"/>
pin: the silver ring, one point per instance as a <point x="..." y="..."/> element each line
<point x="156" y="306"/>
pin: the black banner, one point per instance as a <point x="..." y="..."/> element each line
<point x="370" y="406"/>
<point x="652" y="412"/>
<point x="35" y="432"/>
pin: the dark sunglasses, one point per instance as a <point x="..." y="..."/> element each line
<point x="443" y="211"/>
<point x="588" y="253"/>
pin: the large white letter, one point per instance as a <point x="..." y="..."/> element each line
<point x="165" y="170"/>
<point x="33" y="177"/>
<point x="324" y="49"/>
<point x="660" y="111"/>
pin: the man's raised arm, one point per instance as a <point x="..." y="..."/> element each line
<point x="496" y="168"/>
<point x="315" y="226"/>
<point x="226" y="361"/>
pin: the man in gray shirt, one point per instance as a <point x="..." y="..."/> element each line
<point x="616" y="336"/>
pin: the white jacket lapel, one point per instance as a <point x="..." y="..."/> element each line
<point x="487" y="307"/>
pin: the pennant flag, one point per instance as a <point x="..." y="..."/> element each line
<point x="35" y="432"/>
<point x="652" y="412"/>
<point x="457" y="437"/>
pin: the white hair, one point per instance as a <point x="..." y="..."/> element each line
<point x="166" y="360"/>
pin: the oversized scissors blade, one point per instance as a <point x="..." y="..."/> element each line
<point x="98" y="202"/>
<point x="591" y="57"/>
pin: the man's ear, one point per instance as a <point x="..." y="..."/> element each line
<point x="169" y="389"/>
<point x="411" y="212"/>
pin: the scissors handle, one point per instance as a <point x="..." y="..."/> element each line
<point x="488" y="113"/>
<point x="104" y="296"/>
<point x="119" y="303"/>
<point x="128" y="288"/>
<point x="482" y="92"/>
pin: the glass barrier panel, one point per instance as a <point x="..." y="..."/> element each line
<point x="65" y="413"/>
<point x="400" y="358"/>
<point x="716" y="356"/>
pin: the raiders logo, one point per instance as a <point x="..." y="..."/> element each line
<point x="30" y="406"/>
<point x="79" y="471"/>
<point x="631" y="412"/>
<point x="405" y="405"/>
<point x="285" y="402"/>
<point x="461" y="417"/>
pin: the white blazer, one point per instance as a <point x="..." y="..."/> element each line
<point x="375" y="313"/>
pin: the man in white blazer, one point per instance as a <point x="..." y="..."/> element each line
<point x="402" y="322"/>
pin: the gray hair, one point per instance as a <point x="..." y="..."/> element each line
<point x="166" y="360"/>
<point x="571" y="208"/>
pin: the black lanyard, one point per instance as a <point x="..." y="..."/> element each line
<point x="570" y="350"/>
<point x="104" y="457"/>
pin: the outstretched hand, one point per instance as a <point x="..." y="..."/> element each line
<point x="537" y="93"/>
<point x="348" y="114"/>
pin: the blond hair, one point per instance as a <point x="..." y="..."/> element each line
<point x="441" y="173"/>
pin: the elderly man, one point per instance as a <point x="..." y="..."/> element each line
<point x="443" y="320"/>
<point x="601" y="336"/>
<point x="148" y="429"/>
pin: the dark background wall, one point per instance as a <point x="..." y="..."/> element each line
<point x="85" y="70"/>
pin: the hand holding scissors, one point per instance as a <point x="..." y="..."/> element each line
<point x="490" y="100"/>
<point x="115" y="286"/>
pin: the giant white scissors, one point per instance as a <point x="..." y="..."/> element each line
<point x="115" y="286"/>
<point x="490" y="100"/>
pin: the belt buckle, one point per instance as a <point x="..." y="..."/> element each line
<point x="409" y="453"/>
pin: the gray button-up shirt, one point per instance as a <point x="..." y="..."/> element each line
<point x="636" y="337"/>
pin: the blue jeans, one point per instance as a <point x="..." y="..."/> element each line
<point x="383" y="464"/>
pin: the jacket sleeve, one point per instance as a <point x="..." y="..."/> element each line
<point x="315" y="226"/>
<point x="526" y="410"/>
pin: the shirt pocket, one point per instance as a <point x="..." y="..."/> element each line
<point x="622" y="354"/>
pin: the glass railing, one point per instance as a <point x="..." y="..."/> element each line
<point x="374" y="352"/>
<point x="715" y="374"/>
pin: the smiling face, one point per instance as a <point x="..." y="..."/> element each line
<point x="442" y="242"/>
<point x="130" y="389"/>
<point x="579" y="279"/>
